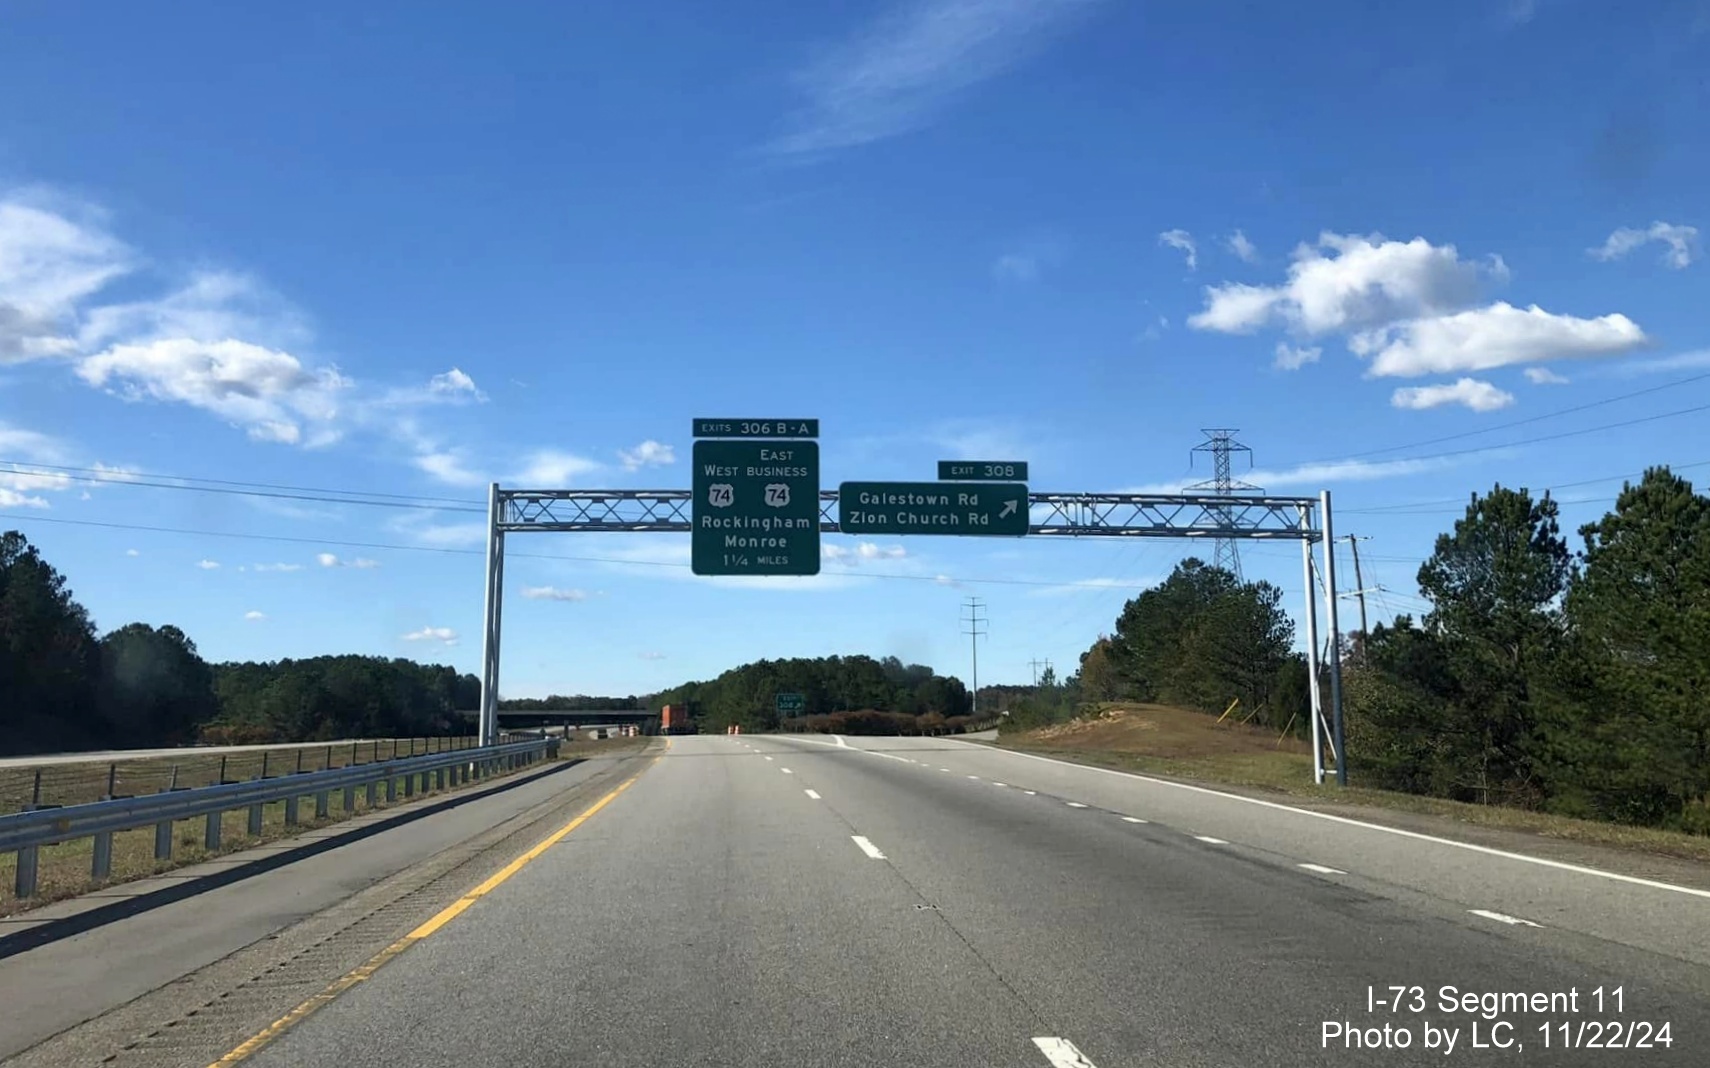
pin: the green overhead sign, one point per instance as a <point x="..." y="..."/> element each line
<point x="755" y="509"/>
<point x="982" y="470"/>
<point x="790" y="704"/>
<point x="994" y="509"/>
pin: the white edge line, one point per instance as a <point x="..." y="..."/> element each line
<point x="1062" y="1053"/>
<point x="1486" y="850"/>
<point x="1322" y="870"/>
<point x="811" y="794"/>
<point x="867" y="847"/>
<point x="1500" y="917"/>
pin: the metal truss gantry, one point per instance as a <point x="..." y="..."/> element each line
<point x="1059" y="515"/>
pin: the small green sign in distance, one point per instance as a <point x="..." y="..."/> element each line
<point x="755" y="509"/>
<point x="982" y="470"/>
<point x="791" y="703"/>
<point x="991" y="509"/>
<point x="756" y="428"/>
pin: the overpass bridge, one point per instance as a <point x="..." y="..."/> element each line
<point x="596" y="717"/>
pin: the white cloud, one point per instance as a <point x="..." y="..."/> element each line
<point x="1015" y="267"/>
<point x="1134" y="583"/>
<point x="268" y="393"/>
<point x="1243" y="249"/>
<point x="651" y="655"/>
<point x="554" y="593"/>
<point x="447" y="535"/>
<point x="132" y="552"/>
<point x="1181" y="239"/>
<point x="453" y="381"/>
<point x="905" y="68"/>
<point x="860" y="552"/>
<point x="444" y="635"/>
<point x="649" y="453"/>
<point x="1497" y="336"/>
<point x="255" y="617"/>
<point x="208" y="565"/>
<point x="1330" y="472"/>
<point x="211" y="306"/>
<point x="282" y="567"/>
<point x="946" y="580"/>
<point x="1368" y="281"/>
<point x="1543" y="376"/>
<point x="449" y="467"/>
<point x="331" y="560"/>
<point x="1235" y="308"/>
<point x="1290" y="358"/>
<point x="1682" y="242"/>
<point x="1469" y="392"/>
<point x="50" y="262"/>
<point x="552" y="469"/>
<point x="1684" y="361"/>
<point x="31" y="445"/>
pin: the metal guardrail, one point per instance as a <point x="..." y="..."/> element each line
<point x="25" y="833"/>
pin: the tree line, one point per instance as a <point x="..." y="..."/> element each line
<point x="1575" y="682"/>
<point x="839" y="694"/>
<point x="1572" y="681"/>
<point x="65" y="688"/>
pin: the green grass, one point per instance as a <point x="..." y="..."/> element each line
<point x="1191" y="746"/>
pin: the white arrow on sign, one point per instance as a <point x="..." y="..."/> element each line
<point x="1009" y="508"/>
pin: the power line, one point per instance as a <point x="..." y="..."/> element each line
<point x="1396" y="508"/>
<point x="321" y="498"/>
<point x="132" y="477"/>
<point x="444" y="550"/>
<point x="1525" y="422"/>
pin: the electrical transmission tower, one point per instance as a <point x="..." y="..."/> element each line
<point x="973" y="622"/>
<point x="1220" y="443"/>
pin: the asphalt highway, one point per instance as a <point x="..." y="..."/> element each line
<point x="761" y="900"/>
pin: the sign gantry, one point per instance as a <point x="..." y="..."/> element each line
<point x="755" y="507"/>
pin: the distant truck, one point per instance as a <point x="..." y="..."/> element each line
<point x="674" y="719"/>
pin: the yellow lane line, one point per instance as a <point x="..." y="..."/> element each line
<point x="367" y="968"/>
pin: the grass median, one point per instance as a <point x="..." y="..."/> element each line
<point x="1178" y="744"/>
<point x="63" y="870"/>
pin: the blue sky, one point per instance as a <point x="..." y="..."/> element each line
<point x="406" y="249"/>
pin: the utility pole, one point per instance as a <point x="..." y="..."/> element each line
<point x="1034" y="664"/>
<point x="974" y="621"/>
<point x="1220" y="443"/>
<point x="1360" y="589"/>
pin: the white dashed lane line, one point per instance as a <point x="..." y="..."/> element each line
<point x="1062" y="1053"/>
<point x="1322" y="870"/>
<point x="1132" y="819"/>
<point x="1208" y="838"/>
<point x="1000" y="784"/>
<point x="768" y="758"/>
<point x="1504" y="918"/>
<point x="1074" y="804"/>
<point x="867" y="847"/>
<point x="811" y="794"/>
<point x="786" y="771"/>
